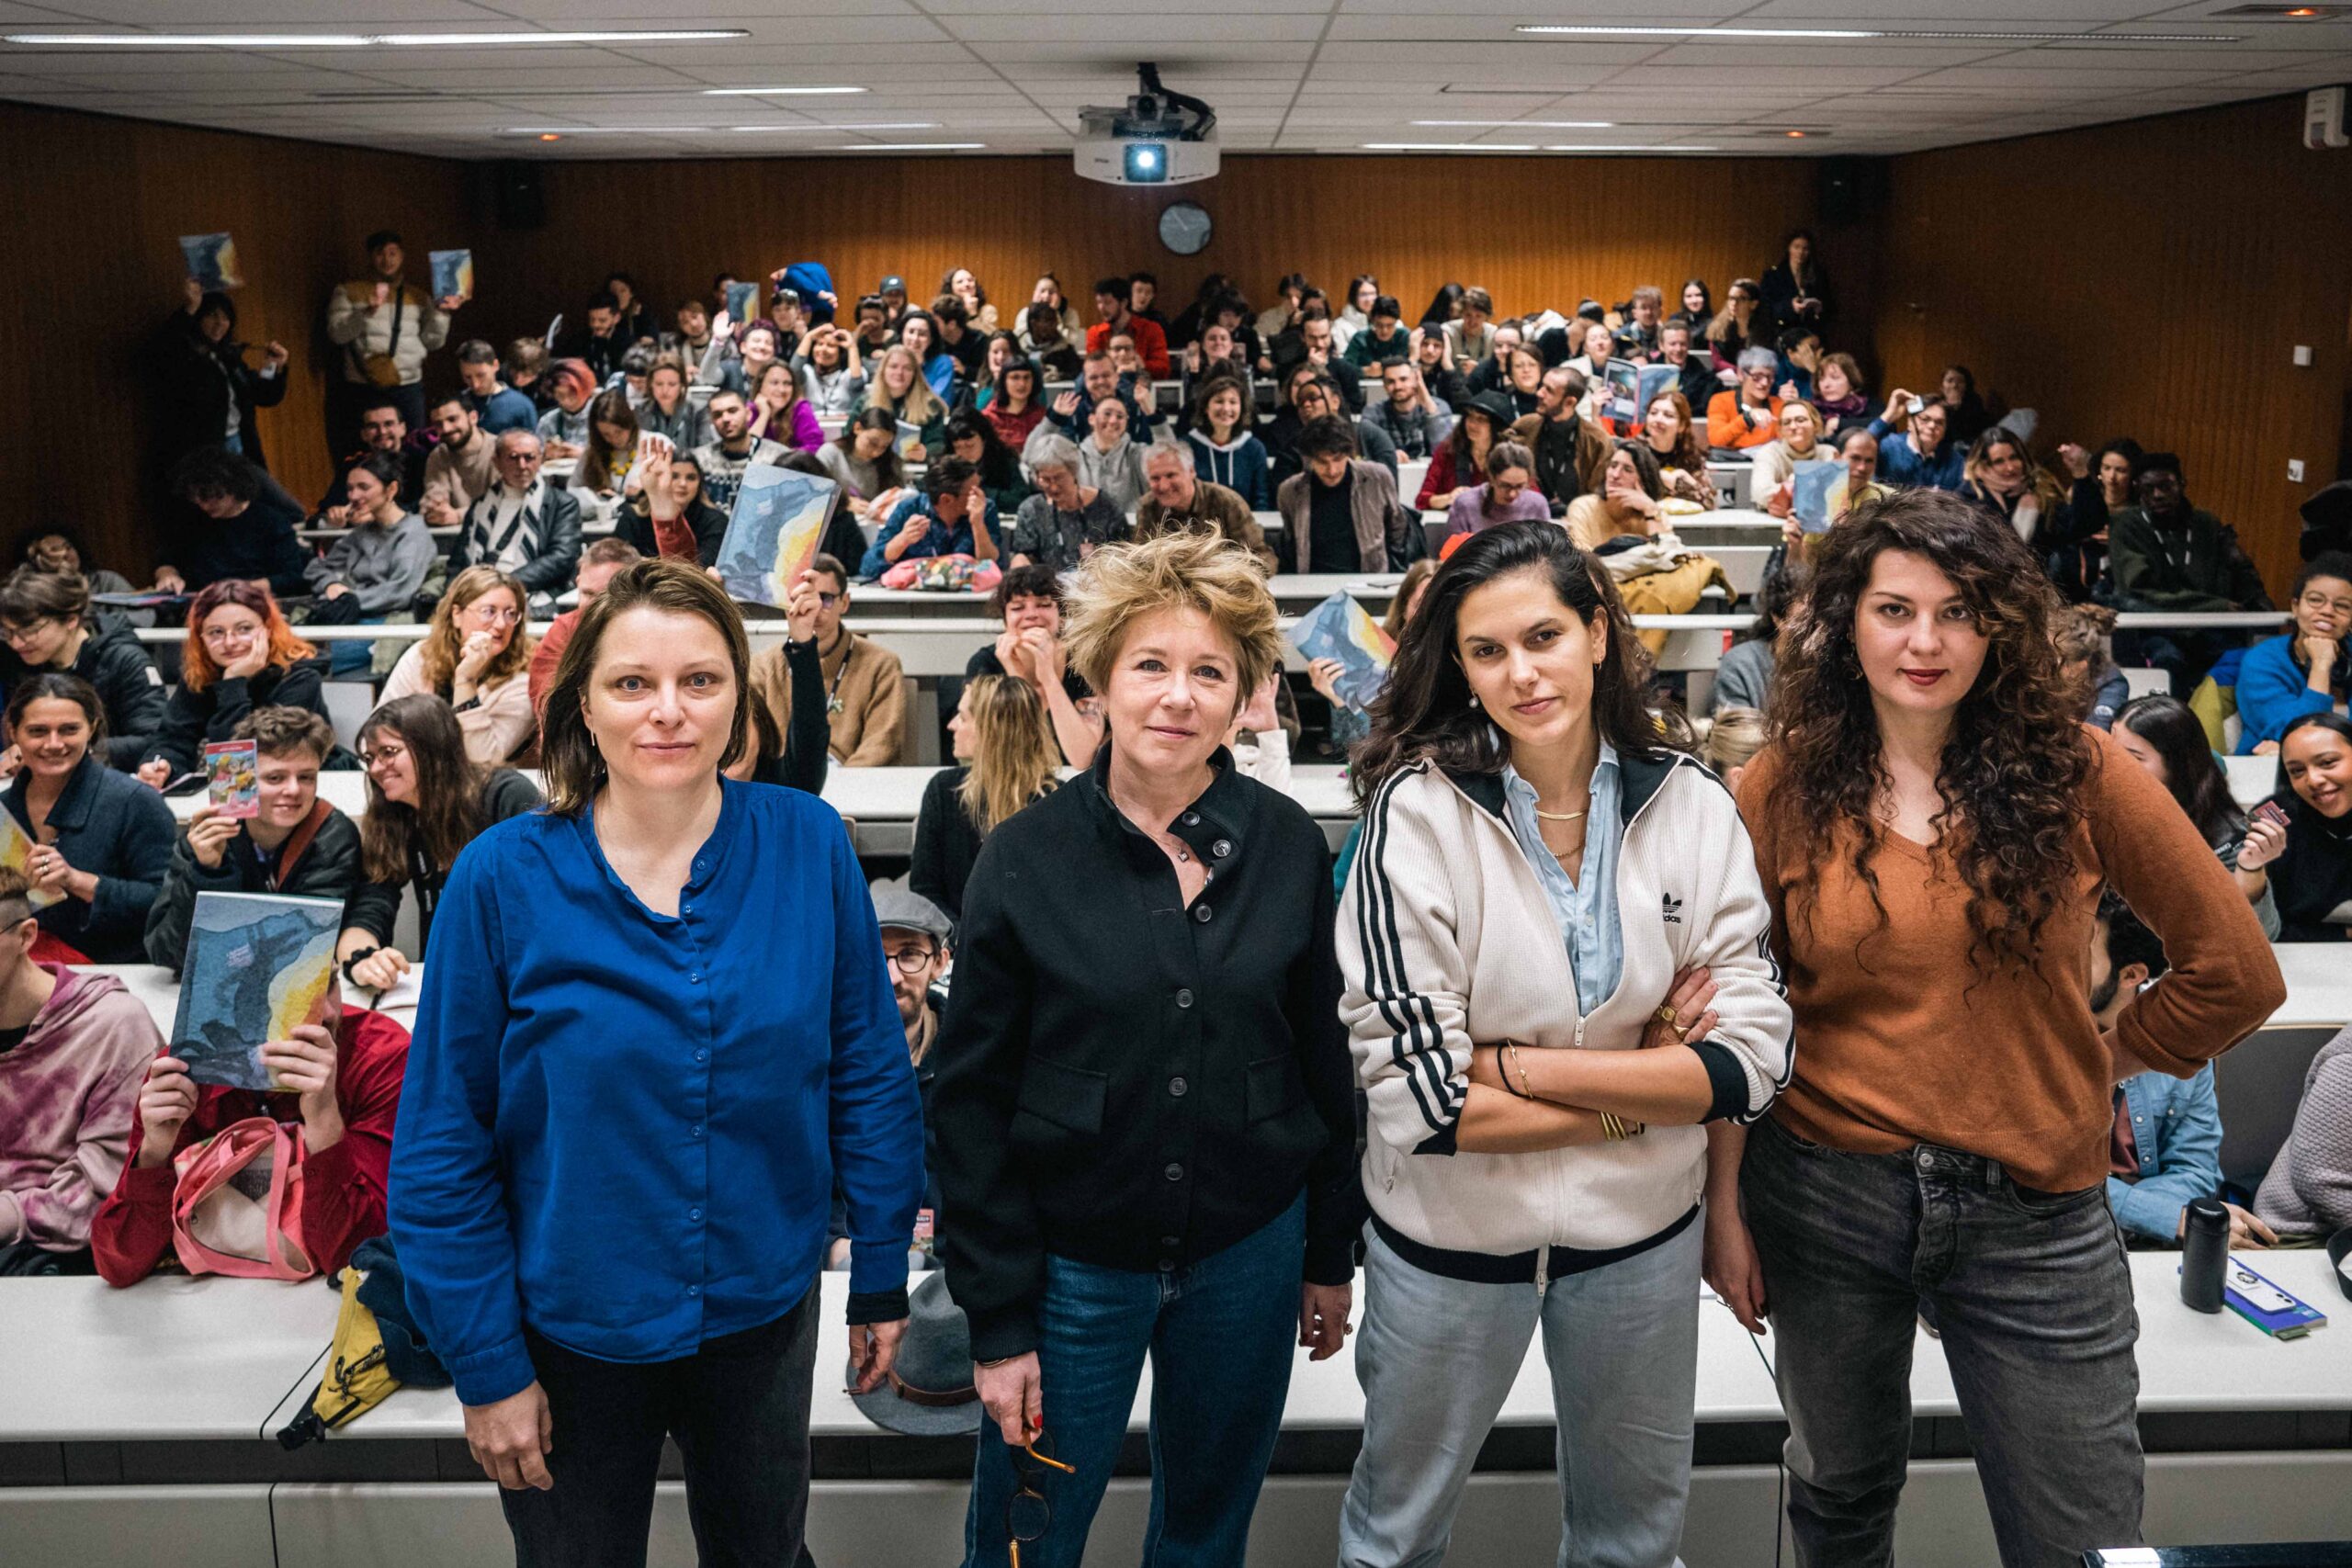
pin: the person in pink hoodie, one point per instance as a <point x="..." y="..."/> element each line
<point x="73" y="1052"/>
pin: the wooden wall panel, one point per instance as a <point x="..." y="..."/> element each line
<point x="1533" y="233"/>
<point x="2148" y="279"/>
<point x="92" y="261"/>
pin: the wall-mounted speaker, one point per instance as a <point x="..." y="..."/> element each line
<point x="1853" y="189"/>
<point x="515" y="195"/>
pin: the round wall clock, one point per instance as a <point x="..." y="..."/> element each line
<point x="1184" y="228"/>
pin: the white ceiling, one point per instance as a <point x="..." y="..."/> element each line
<point x="1284" y="75"/>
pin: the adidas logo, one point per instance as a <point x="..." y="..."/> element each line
<point x="1673" y="910"/>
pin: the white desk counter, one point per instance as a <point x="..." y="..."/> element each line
<point x="172" y="1357"/>
<point x="2319" y="987"/>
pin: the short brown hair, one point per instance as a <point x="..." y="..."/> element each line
<point x="16" y="901"/>
<point x="610" y="551"/>
<point x="567" y="753"/>
<point x="1119" y="583"/>
<point x="275" y="731"/>
<point x="832" y="566"/>
<point x="31" y="594"/>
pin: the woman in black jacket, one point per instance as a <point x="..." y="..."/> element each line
<point x="299" y="845"/>
<point x="102" y="838"/>
<point x="1006" y="758"/>
<point x="673" y="492"/>
<point x="46" y="624"/>
<point x="1145" y="1108"/>
<point x="205" y="392"/>
<point x="426" y="800"/>
<point x="239" y="655"/>
<point x="1796" y="291"/>
<point x="2312" y="873"/>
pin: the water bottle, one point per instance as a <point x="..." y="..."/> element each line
<point x="2205" y="1254"/>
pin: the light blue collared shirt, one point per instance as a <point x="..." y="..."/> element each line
<point x="1587" y="906"/>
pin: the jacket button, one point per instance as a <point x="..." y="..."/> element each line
<point x="1169" y="1241"/>
<point x="1175" y="1172"/>
<point x="1176" y="1088"/>
<point x="1192" y="819"/>
<point x="1185" y="997"/>
<point x="1201" y="913"/>
<point x="1222" y="848"/>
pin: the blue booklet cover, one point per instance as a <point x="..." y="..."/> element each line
<point x="453" y="275"/>
<point x="1655" y="381"/>
<point x="1812" y="483"/>
<point x="739" y="307"/>
<point x="779" y="517"/>
<point x="211" y="260"/>
<point x="1342" y="630"/>
<point x="257" y="964"/>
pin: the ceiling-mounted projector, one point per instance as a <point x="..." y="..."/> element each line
<point x="1160" y="137"/>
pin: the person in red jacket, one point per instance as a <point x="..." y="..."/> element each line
<point x="342" y="1091"/>
<point x="1111" y="305"/>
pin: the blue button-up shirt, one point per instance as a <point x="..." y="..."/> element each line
<point x="943" y="539"/>
<point x="624" y="1128"/>
<point x="1585" y="906"/>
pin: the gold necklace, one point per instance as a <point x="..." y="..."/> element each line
<point x="1560" y="816"/>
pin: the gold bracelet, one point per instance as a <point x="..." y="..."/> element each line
<point x="1525" y="1092"/>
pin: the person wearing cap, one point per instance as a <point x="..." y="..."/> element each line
<point x="894" y="300"/>
<point x="1145" y="1110"/>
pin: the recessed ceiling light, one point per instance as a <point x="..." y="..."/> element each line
<point x="1796" y="134"/>
<point x="551" y="136"/>
<point x="777" y="92"/>
<point x="1449" y="147"/>
<point x="2286" y="13"/>
<point x="914" y="147"/>
<point x="1560" y="29"/>
<point x="1527" y="124"/>
<point x="363" y="40"/>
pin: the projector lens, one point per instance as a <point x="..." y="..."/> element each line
<point x="1147" y="164"/>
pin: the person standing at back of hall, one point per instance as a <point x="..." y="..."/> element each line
<point x="1934" y="824"/>
<point x="622" y="1129"/>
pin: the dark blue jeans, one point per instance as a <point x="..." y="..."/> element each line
<point x="1221" y="1336"/>
<point x="2032" y="1296"/>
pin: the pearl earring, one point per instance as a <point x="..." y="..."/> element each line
<point x="1474" y="699"/>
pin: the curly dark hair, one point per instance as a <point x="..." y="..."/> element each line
<point x="1425" y="710"/>
<point x="2015" y="765"/>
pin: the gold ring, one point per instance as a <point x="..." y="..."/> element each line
<point x="1665" y="1015"/>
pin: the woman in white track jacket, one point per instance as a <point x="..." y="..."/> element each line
<point x="1555" y="946"/>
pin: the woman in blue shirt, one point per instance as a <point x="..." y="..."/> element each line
<point x="2286" y="677"/>
<point x="622" y="1128"/>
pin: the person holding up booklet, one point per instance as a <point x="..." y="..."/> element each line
<point x="338" y="1087"/>
<point x="288" y="841"/>
<point x="92" y="841"/>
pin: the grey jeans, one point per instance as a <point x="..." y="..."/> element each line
<point x="2032" y="1297"/>
<point x="1438" y="1357"/>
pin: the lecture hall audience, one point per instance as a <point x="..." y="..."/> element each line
<point x="239" y="655"/>
<point x="101" y="839"/>
<point x="47" y="626"/>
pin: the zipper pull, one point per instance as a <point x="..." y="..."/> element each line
<point x="1542" y="1272"/>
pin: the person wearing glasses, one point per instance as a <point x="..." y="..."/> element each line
<point x="46" y="625"/>
<point x="428" y="799"/>
<point x="239" y="655"/>
<point x="523" y="524"/>
<point x="1554" y="937"/>
<point x="621" y="1131"/>
<point x="1144" y="1112"/>
<point x="477" y="658"/>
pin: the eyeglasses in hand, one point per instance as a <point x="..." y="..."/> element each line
<point x="1028" y="1515"/>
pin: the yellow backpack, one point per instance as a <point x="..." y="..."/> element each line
<point x="356" y="1380"/>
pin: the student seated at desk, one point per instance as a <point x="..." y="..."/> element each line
<point x="2308" y="1194"/>
<point x="2304" y="670"/>
<point x="863" y="692"/>
<point x="864" y="460"/>
<point x="426" y="800"/>
<point x="1005" y="758"/>
<point x="2312" y="873"/>
<point x="2161" y="735"/>
<point x="1029" y="602"/>
<point x="240" y="654"/>
<point x="343" y="1092"/>
<point x="46" y="624"/>
<point x="74" y="1051"/>
<point x="526" y="523"/>
<point x="1181" y="501"/>
<point x="1064" y="520"/>
<point x="2167" y="1145"/>
<point x="1338" y="512"/>
<point x="300" y="845"/>
<point x="102" y="837"/>
<point x="474" y="658"/>
<point x="670" y="514"/>
<point x="597" y="565"/>
<point x="952" y="517"/>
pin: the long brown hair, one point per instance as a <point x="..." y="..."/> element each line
<point x="1014" y="756"/>
<point x="448" y="813"/>
<point x="568" y="753"/>
<point x="1424" y="712"/>
<point x="596" y="464"/>
<point x="1687" y="455"/>
<point x="444" y="638"/>
<point x="197" y="671"/>
<point x="2014" y="766"/>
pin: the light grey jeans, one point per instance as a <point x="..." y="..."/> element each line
<point x="1437" y="1358"/>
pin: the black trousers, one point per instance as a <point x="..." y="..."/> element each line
<point x="739" y="1409"/>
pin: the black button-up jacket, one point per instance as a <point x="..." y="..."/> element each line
<point x="1129" y="1082"/>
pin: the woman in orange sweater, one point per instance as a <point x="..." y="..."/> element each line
<point x="1933" y="827"/>
<point x="1749" y="415"/>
